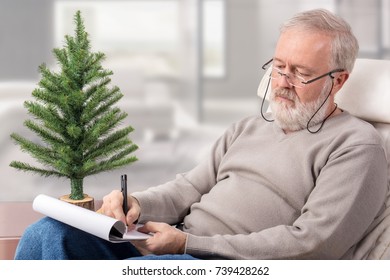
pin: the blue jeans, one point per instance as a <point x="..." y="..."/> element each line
<point x="49" y="239"/>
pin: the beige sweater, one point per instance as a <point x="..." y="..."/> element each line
<point x="262" y="194"/>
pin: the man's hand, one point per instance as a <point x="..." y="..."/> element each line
<point x="112" y="207"/>
<point x="165" y="240"/>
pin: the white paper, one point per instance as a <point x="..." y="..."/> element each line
<point x="84" y="219"/>
<point x="131" y="234"/>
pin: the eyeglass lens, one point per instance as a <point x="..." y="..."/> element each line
<point x="292" y="79"/>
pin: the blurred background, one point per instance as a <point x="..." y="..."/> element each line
<point x="187" y="69"/>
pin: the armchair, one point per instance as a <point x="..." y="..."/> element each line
<point x="366" y="96"/>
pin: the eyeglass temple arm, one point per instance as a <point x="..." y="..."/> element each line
<point x="266" y="64"/>
<point x="326" y="74"/>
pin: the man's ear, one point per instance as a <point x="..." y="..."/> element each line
<point x="339" y="81"/>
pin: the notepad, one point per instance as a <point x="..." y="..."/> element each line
<point x="86" y="220"/>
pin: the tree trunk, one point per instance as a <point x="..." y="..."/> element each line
<point x="76" y="189"/>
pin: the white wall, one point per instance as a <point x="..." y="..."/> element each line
<point x="25" y="37"/>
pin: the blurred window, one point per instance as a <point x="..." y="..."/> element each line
<point x="145" y="29"/>
<point x="214" y="38"/>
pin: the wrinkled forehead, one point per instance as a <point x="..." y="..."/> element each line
<point x="300" y="47"/>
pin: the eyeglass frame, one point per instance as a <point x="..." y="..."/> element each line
<point x="264" y="67"/>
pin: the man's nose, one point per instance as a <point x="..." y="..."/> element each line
<point x="283" y="81"/>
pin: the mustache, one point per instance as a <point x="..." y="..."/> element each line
<point x="285" y="93"/>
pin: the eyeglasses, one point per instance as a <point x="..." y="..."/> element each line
<point x="295" y="80"/>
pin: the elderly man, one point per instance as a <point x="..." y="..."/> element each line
<point x="303" y="182"/>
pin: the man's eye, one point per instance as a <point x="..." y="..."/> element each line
<point x="279" y="69"/>
<point x="303" y="74"/>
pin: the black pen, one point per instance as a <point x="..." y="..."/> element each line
<point x="124" y="192"/>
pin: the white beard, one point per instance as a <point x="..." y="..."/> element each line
<point x="296" y="117"/>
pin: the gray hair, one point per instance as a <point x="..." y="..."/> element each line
<point x="344" y="46"/>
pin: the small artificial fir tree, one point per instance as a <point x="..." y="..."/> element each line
<point x="75" y="117"/>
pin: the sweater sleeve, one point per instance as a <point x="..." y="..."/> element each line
<point x="349" y="193"/>
<point x="171" y="202"/>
